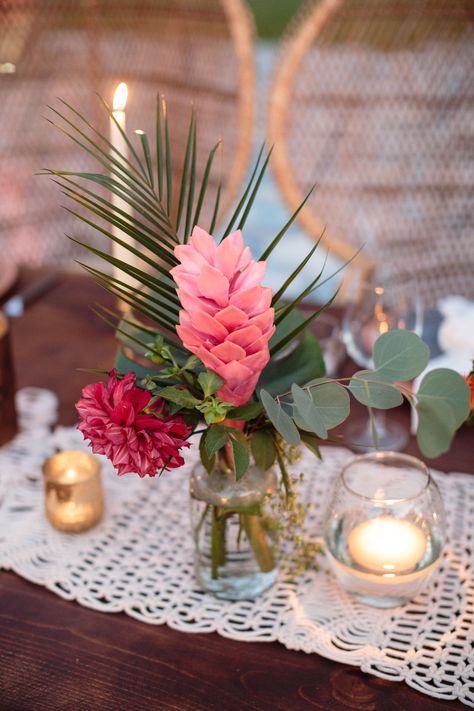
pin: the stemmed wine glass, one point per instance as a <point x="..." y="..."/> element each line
<point x="374" y="309"/>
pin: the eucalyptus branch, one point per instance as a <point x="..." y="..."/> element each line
<point x="341" y="381"/>
<point x="285" y="477"/>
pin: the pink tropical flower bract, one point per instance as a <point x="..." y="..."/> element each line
<point x="227" y="319"/>
<point x="112" y="417"/>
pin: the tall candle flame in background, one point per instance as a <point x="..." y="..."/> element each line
<point x="118" y="121"/>
<point x="120" y="97"/>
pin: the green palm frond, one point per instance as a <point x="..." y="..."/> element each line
<point x="136" y="209"/>
<point x="147" y="156"/>
<point x="246" y="192"/>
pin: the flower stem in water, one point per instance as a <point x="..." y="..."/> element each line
<point x="217" y="541"/>
<point x="256" y="536"/>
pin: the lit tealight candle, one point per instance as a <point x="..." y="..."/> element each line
<point x="386" y="545"/>
<point x="73" y="490"/>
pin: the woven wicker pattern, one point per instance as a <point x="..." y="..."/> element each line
<point x="374" y="100"/>
<point x="200" y="53"/>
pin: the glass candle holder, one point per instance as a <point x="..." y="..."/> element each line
<point x="73" y="491"/>
<point x="384" y="528"/>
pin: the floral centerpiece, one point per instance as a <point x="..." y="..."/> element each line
<point x="229" y="360"/>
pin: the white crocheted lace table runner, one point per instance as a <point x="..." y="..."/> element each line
<point x="139" y="560"/>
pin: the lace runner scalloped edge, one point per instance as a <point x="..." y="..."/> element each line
<point x="139" y="560"/>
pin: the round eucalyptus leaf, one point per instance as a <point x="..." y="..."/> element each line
<point x="332" y="401"/>
<point x="436" y="427"/>
<point x="400" y="355"/>
<point x="306" y="415"/>
<point x="369" y="388"/>
<point x="263" y="449"/>
<point x="444" y="388"/>
<point x="280" y="420"/>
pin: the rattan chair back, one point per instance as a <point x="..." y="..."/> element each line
<point x="374" y="100"/>
<point x="198" y="53"/>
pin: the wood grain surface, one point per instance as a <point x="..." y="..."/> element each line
<point x="57" y="655"/>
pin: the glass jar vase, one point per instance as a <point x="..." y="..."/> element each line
<point x="385" y="528"/>
<point x="235" y="552"/>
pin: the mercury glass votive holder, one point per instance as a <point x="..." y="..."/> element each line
<point x="73" y="491"/>
<point x="384" y="528"/>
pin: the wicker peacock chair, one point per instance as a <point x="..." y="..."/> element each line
<point x="200" y="53"/>
<point x="374" y="100"/>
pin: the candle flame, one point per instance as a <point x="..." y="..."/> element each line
<point x="120" y="97"/>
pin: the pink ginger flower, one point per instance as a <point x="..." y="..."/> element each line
<point x="112" y="417"/>
<point x="226" y="318"/>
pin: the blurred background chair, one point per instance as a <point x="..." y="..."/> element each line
<point x="192" y="52"/>
<point x="374" y="100"/>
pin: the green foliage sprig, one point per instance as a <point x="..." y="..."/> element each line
<point x="441" y="402"/>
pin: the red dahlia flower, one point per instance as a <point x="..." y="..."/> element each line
<point x="112" y="417"/>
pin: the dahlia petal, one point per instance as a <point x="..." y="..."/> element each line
<point x="123" y="413"/>
<point x="115" y="433"/>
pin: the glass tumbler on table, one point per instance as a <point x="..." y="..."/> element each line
<point x="384" y="528"/>
<point x="374" y="310"/>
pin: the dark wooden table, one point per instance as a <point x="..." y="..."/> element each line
<point x="58" y="655"/>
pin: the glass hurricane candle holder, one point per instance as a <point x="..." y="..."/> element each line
<point x="73" y="491"/>
<point x="384" y="528"/>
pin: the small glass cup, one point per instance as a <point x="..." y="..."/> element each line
<point x="327" y="330"/>
<point x="73" y="491"/>
<point x="384" y="528"/>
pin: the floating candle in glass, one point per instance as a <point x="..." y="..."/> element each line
<point x="73" y="490"/>
<point x="386" y="545"/>
<point x="384" y="528"/>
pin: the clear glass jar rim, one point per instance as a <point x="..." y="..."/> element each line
<point x="381" y="456"/>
